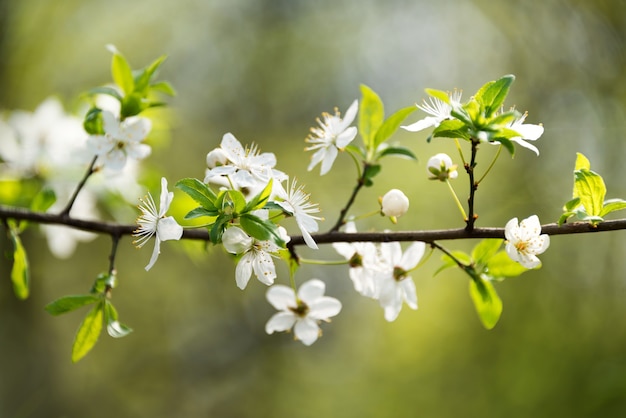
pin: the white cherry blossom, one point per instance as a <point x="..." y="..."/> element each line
<point x="154" y="222"/>
<point x="256" y="256"/>
<point x="303" y="311"/>
<point x="438" y="111"/>
<point x="527" y="131"/>
<point x="395" y="284"/>
<point x="332" y="135"/>
<point x="524" y="241"/>
<point x="234" y="166"/>
<point x="296" y="202"/>
<point x="363" y="263"/>
<point x="121" y="139"/>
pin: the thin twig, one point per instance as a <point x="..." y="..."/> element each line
<point x="473" y="186"/>
<point x="66" y="211"/>
<point x="342" y="214"/>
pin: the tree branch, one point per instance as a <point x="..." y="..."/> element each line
<point x="118" y="230"/>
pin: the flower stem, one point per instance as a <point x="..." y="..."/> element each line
<point x="493" y="162"/>
<point x="458" y="147"/>
<point x="456" y="199"/>
<point x="324" y="262"/>
<point x="342" y="215"/>
<point x="473" y="186"/>
<point x="66" y="211"/>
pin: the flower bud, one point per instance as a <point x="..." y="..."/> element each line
<point x="394" y="203"/>
<point x="440" y="167"/>
<point x="216" y="157"/>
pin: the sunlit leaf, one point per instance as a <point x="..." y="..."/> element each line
<point x="199" y="192"/>
<point x="492" y="95"/>
<point x="20" y="274"/>
<point x="261" y="229"/>
<point x="114" y="328"/>
<point x="500" y="266"/>
<point x="88" y="332"/>
<point x="70" y="303"/>
<point x="485" y="249"/>
<point x="391" y="125"/>
<point x="397" y="151"/>
<point x="371" y="116"/>
<point x="122" y="73"/>
<point x="438" y="94"/>
<point x="590" y="188"/>
<point x="486" y="301"/>
<point x="612" y="205"/>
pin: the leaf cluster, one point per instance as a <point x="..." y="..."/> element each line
<point x="229" y="207"/>
<point x="481" y="118"/>
<point x="587" y="203"/>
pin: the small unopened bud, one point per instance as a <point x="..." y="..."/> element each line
<point x="216" y="158"/>
<point x="394" y="203"/>
<point x="440" y="167"/>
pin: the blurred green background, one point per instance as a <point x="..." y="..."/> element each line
<point x="265" y="70"/>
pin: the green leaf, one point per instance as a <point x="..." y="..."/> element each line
<point x="20" y="274"/>
<point x="104" y="281"/>
<point x="612" y="205"/>
<point x="452" y="128"/>
<point x="200" y="212"/>
<point x="259" y="201"/>
<point x="114" y="328"/>
<point x="163" y="87"/>
<point x="109" y="91"/>
<point x="391" y="125"/>
<point x="88" y="332"/>
<point x="590" y="188"/>
<point x="438" y="94"/>
<point x="581" y="162"/>
<point x="396" y="151"/>
<point x="500" y="266"/>
<point x="492" y="95"/>
<point x="448" y="262"/>
<point x="572" y="204"/>
<point x="371" y="171"/>
<point x="93" y="122"/>
<point x="43" y="200"/>
<point x="216" y="231"/>
<point x="486" y="301"/>
<point x="371" y="115"/>
<point x="199" y="192"/>
<point x="563" y="218"/>
<point x="261" y="229"/>
<point x="486" y="249"/>
<point x="506" y="143"/>
<point x="70" y="303"/>
<point x="122" y="73"/>
<point x="142" y="81"/>
<point x="238" y="200"/>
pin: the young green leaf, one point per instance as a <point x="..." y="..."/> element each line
<point x="391" y="125"/>
<point x="238" y="200"/>
<point x="259" y="201"/>
<point x="612" y="205"/>
<point x="114" y="328"/>
<point x="485" y="249"/>
<point x="88" y="332"/>
<point x="590" y="188"/>
<point x="20" y="274"/>
<point x="200" y="212"/>
<point x="199" y="192"/>
<point x="122" y="73"/>
<point x="371" y="116"/>
<point x="396" y="151"/>
<point x="43" y="200"/>
<point x="371" y="171"/>
<point x="492" y="95"/>
<point x="163" y="87"/>
<point x="452" y="128"/>
<point x="486" y="301"/>
<point x="261" y="229"/>
<point x="438" y="94"/>
<point x="70" y="303"/>
<point x="500" y="266"/>
<point x="448" y="262"/>
<point x="142" y="81"/>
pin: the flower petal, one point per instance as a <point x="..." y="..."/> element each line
<point x="168" y="228"/>
<point x="307" y="331"/>
<point x="281" y="297"/>
<point x="408" y="290"/>
<point x="412" y="255"/>
<point x="155" y="253"/>
<point x="244" y="270"/>
<point x="329" y="159"/>
<point x="311" y="290"/>
<point x="324" y="308"/>
<point x="280" y="321"/>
